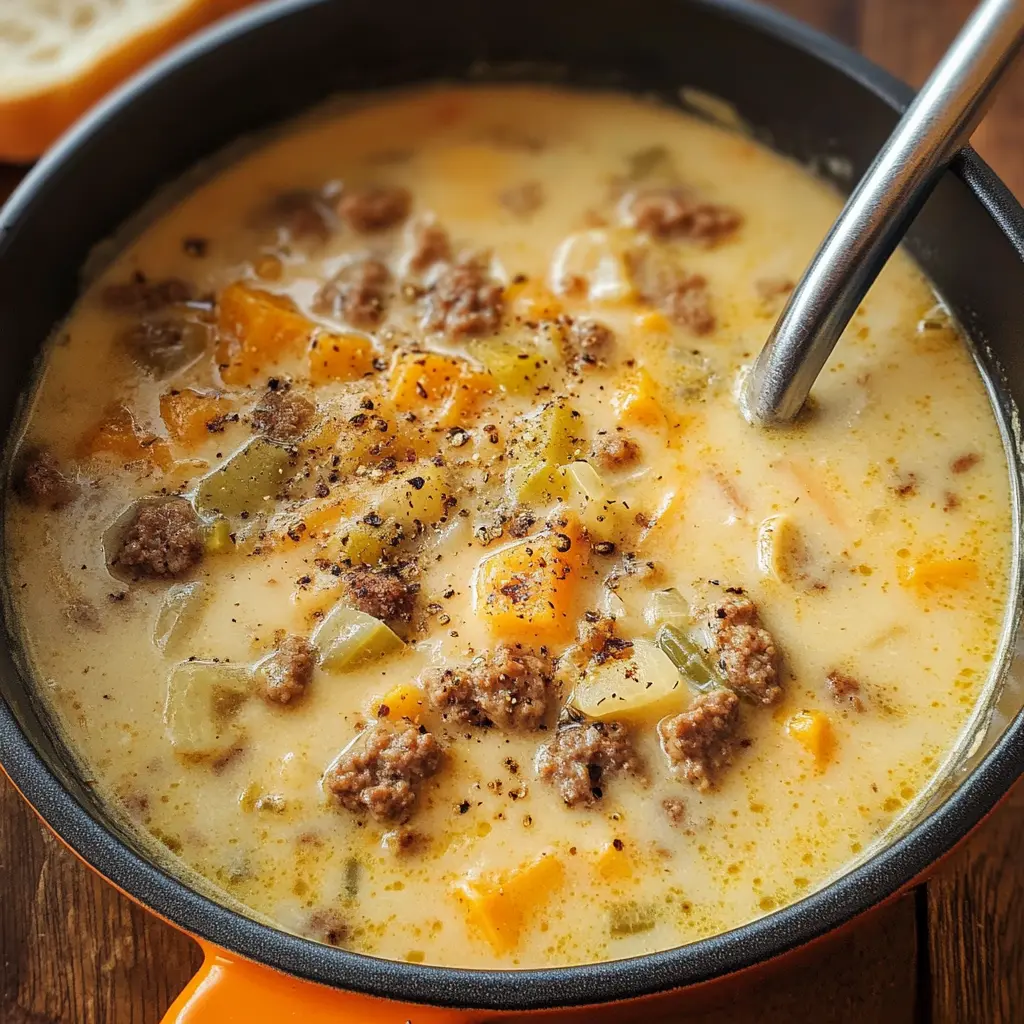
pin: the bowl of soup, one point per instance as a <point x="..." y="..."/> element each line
<point x="396" y="596"/>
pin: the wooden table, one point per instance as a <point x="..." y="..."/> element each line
<point x="74" y="951"/>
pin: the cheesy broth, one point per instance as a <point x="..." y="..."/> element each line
<point x="498" y="637"/>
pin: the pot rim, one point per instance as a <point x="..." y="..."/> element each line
<point x="883" y="875"/>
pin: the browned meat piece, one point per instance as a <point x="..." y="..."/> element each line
<point x="283" y="415"/>
<point x="962" y="463"/>
<point x="580" y="757"/>
<point x="289" y="670"/>
<point x="616" y="452"/>
<point x="465" y="300"/>
<point x="381" y="592"/>
<point x="509" y="688"/>
<point x="597" y="639"/>
<point x="39" y="481"/>
<point x="162" y="540"/>
<point x="299" y="214"/>
<point x="140" y="295"/>
<point x="592" y="341"/>
<point x="747" y="654"/>
<point x="674" y="213"/>
<point x="166" y="344"/>
<point x="381" y="773"/>
<point x="358" y="293"/>
<point x="845" y="690"/>
<point x="522" y="200"/>
<point x="675" y="810"/>
<point x="681" y="296"/>
<point x="699" y="741"/>
<point x="327" y="926"/>
<point x="375" y="208"/>
<point x="430" y="245"/>
<point x="521" y="523"/>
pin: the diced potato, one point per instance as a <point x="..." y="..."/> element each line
<point x="255" y="329"/>
<point x="593" y="500"/>
<point x="929" y="574"/>
<point x="637" y="402"/>
<point x="529" y="589"/>
<point x="418" y="498"/>
<point x="179" y="614"/>
<point x="119" y="435"/>
<point x="314" y="520"/>
<point x="667" y="608"/>
<point x="406" y="700"/>
<point x="521" y="368"/>
<point x="646" y="684"/>
<point x="358" y="541"/>
<point x="188" y="414"/>
<point x="203" y="698"/>
<point x="347" y="638"/>
<point x="339" y="357"/>
<point x="813" y="731"/>
<point x="440" y="389"/>
<point x="781" y="554"/>
<point x="246" y="483"/>
<point x="501" y="906"/>
<point x="593" y="263"/>
<point x="547" y="440"/>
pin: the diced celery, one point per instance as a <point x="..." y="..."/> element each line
<point x="688" y="657"/>
<point x="203" y="698"/>
<point x="217" y="537"/>
<point x="347" y="638"/>
<point x="178" y="616"/>
<point x="644" y="682"/>
<point x="630" y="918"/>
<point x="548" y="439"/>
<point x="359" y="541"/>
<point x="667" y="608"/>
<point x="246" y="483"/>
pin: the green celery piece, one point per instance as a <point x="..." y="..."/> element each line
<point x="245" y="481"/>
<point x="630" y="917"/>
<point x="348" y="638"/>
<point x="688" y="657"/>
<point x="547" y="442"/>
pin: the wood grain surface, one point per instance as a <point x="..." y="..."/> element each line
<point x="73" y="951"/>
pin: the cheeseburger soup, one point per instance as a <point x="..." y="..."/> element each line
<point x="388" y="542"/>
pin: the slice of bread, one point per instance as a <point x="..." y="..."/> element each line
<point x="58" y="57"/>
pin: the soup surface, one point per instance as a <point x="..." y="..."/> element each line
<point x="388" y="540"/>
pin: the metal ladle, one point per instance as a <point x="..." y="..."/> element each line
<point x="935" y="127"/>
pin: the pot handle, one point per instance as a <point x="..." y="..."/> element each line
<point x="230" y="990"/>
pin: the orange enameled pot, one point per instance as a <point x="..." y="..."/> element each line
<point x="800" y="92"/>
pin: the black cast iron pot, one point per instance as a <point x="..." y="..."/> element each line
<point x="802" y="93"/>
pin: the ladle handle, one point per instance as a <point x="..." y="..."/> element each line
<point x="935" y="127"/>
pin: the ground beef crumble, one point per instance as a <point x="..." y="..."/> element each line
<point x="673" y="213"/>
<point x="430" y="244"/>
<point x="747" y="653"/>
<point x="380" y="774"/>
<point x="140" y="295"/>
<point x="465" y="301"/>
<point x="509" y="688"/>
<point x="358" y="294"/>
<point x="283" y="415"/>
<point x="289" y="670"/>
<point x="699" y="741"/>
<point x="683" y="297"/>
<point x="300" y="214"/>
<point x="375" y="208"/>
<point x="615" y="452"/>
<point x="581" y="756"/>
<point x="383" y="592"/>
<point x="592" y="342"/>
<point x="39" y="481"/>
<point x="675" y="810"/>
<point x="163" y="539"/>
<point x="845" y="690"/>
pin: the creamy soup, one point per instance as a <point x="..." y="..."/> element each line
<point x="388" y="541"/>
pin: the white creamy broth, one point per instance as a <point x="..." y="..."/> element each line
<point x="600" y="273"/>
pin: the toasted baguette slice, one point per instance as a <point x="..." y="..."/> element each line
<point x="58" y="57"/>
